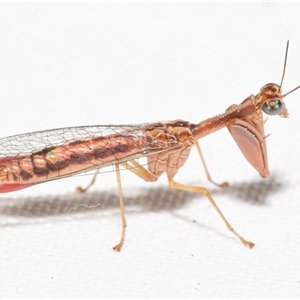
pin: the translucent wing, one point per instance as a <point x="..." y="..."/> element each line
<point x="40" y="156"/>
<point x="28" y="143"/>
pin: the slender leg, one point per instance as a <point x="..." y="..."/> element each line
<point x="224" y="184"/>
<point x="83" y="190"/>
<point x="143" y="173"/>
<point x="119" y="246"/>
<point x="203" y="191"/>
<point x="131" y="165"/>
<point x="134" y="167"/>
<point x="140" y="171"/>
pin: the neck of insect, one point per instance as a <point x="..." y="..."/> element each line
<point x="240" y="111"/>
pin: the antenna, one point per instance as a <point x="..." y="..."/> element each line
<point x="285" y="61"/>
<point x="284" y="67"/>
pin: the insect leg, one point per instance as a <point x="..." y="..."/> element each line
<point x="131" y="165"/>
<point x="119" y="246"/>
<point x="83" y="190"/>
<point x="203" y="191"/>
<point x="134" y="167"/>
<point x="138" y="170"/>
<point x="224" y="184"/>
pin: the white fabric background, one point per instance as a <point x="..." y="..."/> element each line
<point x="67" y="64"/>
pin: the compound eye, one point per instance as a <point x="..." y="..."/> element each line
<point x="273" y="107"/>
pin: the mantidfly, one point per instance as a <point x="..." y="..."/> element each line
<point x="31" y="158"/>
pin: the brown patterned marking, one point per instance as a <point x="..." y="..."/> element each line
<point x="41" y="171"/>
<point x="89" y="140"/>
<point x="122" y="148"/>
<point x="76" y="158"/>
<point x="70" y="158"/>
<point x="16" y="178"/>
<point x="44" y="152"/>
<point x="25" y="175"/>
<point x="58" y="165"/>
<point x="102" y="153"/>
<point x="106" y="152"/>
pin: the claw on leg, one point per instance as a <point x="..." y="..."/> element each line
<point x="79" y="189"/>
<point x="203" y="191"/>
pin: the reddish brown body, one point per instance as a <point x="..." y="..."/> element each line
<point x="166" y="144"/>
<point x="32" y="158"/>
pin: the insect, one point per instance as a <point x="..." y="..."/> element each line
<point x="36" y="157"/>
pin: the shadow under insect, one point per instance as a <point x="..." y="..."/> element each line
<point x="143" y="200"/>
